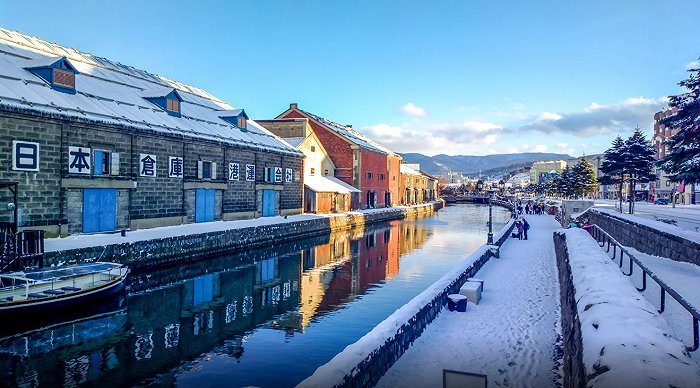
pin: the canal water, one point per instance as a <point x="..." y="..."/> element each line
<point x="264" y="318"/>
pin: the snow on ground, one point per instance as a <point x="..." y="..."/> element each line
<point x="509" y="336"/>
<point x="680" y="276"/>
<point x="626" y="343"/>
<point x="99" y="239"/>
<point x="691" y="235"/>
<point x="686" y="216"/>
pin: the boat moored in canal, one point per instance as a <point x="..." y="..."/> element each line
<point x="58" y="289"/>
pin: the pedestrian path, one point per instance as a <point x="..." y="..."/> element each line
<point x="510" y="336"/>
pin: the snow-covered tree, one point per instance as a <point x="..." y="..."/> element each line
<point x="683" y="162"/>
<point x="612" y="166"/>
<point x="639" y="161"/>
<point x="584" y="180"/>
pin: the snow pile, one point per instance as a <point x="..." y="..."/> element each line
<point x="343" y="363"/>
<point x="626" y="343"/>
<point x="652" y="224"/>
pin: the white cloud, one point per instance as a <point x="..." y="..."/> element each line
<point x="598" y="119"/>
<point x="410" y="109"/>
<point x="435" y="137"/>
<point x="562" y="145"/>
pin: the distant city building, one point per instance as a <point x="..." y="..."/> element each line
<point x="519" y="180"/>
<point x="543" y="171"/>
<point x="99" y="146"/>
<point x="662" y="187"/>
<point x="414" y="185"/>
<point x="359" y="161"/>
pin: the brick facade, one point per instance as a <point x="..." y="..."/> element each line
<point x="353" y="162"/>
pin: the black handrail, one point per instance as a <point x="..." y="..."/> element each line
<point x="603" y="237"/>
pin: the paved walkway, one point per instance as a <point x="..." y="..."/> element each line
<point x="510" y="336"/>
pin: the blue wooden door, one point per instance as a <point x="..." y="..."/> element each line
<point x="203" y="289"/>
<point x="99" y="210"/>
<point x="204" y="202"/>
<point x="269" y="203"/>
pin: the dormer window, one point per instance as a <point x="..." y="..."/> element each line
<point x="173" y="105"/>
<point x="64" y="78"/>
<point x="236" y="117"/>
<point x="58" y="72"/>
<point x="166" y="98"/>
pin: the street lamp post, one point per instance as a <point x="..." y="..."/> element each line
<point x="489" y="239"/>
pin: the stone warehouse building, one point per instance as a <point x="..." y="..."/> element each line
<point x="97" y="146"/>
<point x="359" y="161"/>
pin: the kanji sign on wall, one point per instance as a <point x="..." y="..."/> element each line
<point x="233" y="171"/>
<point x="79" y="160"/>
<point x="250" y="172"/>
<point x="25" y="156"/>
<point x="175" y="169"/>
<point x="147" y="165"/>
<point x="278" y="174"/>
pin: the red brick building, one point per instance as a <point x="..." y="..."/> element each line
<point x="359" y="161"/>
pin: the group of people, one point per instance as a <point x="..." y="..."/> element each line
<point x="530" y="208"/>
<point x="522" y="226"/>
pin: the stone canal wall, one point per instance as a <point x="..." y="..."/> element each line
<point x="171" y="250"/>
<point x="363" y="363"/>
<point x="648" y="236"/>
<point x="612" y="336"/>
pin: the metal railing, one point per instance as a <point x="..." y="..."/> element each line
<point x="21" y="250"/>
<point x="607" y="242"/>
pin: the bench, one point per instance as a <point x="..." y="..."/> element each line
<point x="69" y="288"/>
<point x="472" y="289"/>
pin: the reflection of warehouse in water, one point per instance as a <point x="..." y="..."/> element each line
<point x="198" y="310"/>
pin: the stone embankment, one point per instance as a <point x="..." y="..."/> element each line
<point x="647" y="236"/>
<point x="171" y="250"/>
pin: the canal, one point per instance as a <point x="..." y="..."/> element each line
<point x="267" y="317"/>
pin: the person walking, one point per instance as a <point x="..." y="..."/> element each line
<point x="519" y="225"/>
<point x="526" y="226"/>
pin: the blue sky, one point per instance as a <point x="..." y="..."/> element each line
<point x="454" y="77"/>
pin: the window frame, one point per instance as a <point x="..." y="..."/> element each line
<point x="59" y="74"/>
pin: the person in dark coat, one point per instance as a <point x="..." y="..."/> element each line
<point x="526" y="226"/>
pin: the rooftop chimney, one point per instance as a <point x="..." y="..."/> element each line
<point x="293" y="105"/>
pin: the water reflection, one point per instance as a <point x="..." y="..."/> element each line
<point x="210" y="309"/>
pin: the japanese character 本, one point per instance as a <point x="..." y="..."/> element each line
<point x="79" y="158"/>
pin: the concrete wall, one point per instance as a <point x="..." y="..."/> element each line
<point x="646" y="239"/>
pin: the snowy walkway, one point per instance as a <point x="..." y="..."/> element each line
<point x="510" y="336"/>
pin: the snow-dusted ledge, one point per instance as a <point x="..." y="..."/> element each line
<point x="624" y="341"/>
<point x="364" y="362"/>
<point x="172" y="244"/>
<point x="648" y="236"/>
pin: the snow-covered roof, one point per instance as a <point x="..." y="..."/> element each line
<point x="109" y="92"/>
<point x="350" y="134"/>
<point x="294" y="141"/>
<point x="327" y="184"/>
<point x="408" y="170"/>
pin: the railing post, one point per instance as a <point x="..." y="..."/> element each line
<point x="663" y="300"/>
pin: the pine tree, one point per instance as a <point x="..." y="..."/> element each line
<point x="612" y="166"/>
<point x="584" y="179"/>
<point x="639" y="163"/>
<point x="683" y="162"/>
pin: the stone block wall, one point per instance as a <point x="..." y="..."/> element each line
<point x="574" y="372"/>
<point x="40" y="190"/>
<point x="53" y="197"/>
<point x="646" y="239"/>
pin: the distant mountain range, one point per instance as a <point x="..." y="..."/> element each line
<point x="488" y="165"/>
